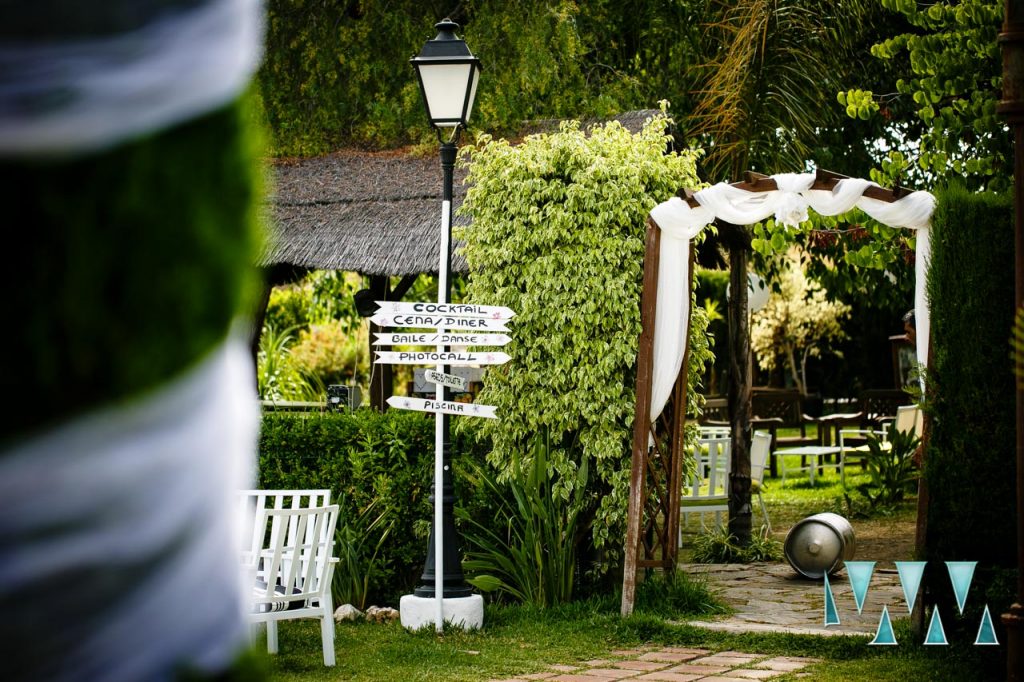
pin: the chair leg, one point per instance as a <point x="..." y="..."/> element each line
<point x="272" y="636"/>
<point x="764" y="512"/>
<point x="327" y="629"/>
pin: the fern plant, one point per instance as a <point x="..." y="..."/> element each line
<point x="892" y="471"/>
<point x="534" y="560"/>
<point x="358" y="552"/>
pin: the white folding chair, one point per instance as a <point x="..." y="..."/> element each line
<point x="707" y="490"/>
<point x="858" y="450"/>
<point x="289" y="568"/>
<point x="910" y="418"/>
<point x="251" y="502"/>
<point x="760" y="448"/>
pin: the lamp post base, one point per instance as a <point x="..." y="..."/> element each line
<point x="461" y="612"/>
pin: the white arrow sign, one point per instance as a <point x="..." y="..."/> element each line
<point x="440" y="322"/>
<point x="434" y="358"/>
<point x="449" y="380"/>
<point x="441" y="339"/>
<point x="445" y="406"/>
<point x="493" y="312"/>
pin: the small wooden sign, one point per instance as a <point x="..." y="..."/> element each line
<point x="440" y="322"/>
<point x="444" y="406"/>
<point x="449" y="380"/>
<point x="440" y="338"/>
<point x="435" y="358"/>
<point x="493" y="312"/>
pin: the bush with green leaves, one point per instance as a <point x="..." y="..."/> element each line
<point x="558" y="236"/>
<point x="357" y="545"/>
<point x="891" y="469"/>
<point x="532" y="556"/>
<point x="379" y="468"/>
<point x="279" y="376"/>
<point x="970" y="381"/>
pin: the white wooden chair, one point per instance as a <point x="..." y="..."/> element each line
<point x="289" y="567"/>
<point x="251" y="502"/>
<point x="853" y="447"/>
<point x="910" y="418"/>
<point x="707" y="490"/>
<point x="760" y="448"/>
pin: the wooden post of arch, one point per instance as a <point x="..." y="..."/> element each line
<point x="652" y="539"/>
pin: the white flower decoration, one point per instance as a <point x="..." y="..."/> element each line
<point x="791" y="209"/>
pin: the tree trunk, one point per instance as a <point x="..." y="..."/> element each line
<point x="793" y="369"/>
<point x="739" y="383"/>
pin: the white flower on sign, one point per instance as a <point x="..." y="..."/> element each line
<point x="791" y="210"/>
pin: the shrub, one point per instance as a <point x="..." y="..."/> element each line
<point x="558" y="236"/>
<point x="892" y="472"/>
<point x="333" y="355"/>
<point x="278" y="375"/>
<point x="368" y="460"/>
<point x="532" y="558"/>
<point x="970" y="380"/>
<point x="970" y="392"/>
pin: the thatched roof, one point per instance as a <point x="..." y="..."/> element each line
<point x="376" y="213"/>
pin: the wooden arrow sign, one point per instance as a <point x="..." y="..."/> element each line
<point x="493" y="312"/>
<point x="467" y="324"/>
<point x="441" y="339"/>
<point x="445" y="406"/>
<point x="449" y="380"/>
<point x="434" y="358"/>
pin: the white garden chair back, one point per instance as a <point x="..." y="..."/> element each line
<point x="254" y="501"/>
<point x="289" y="568"/>
<point x="910" y="418"/>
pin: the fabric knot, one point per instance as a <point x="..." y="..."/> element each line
<point x="791" y="209"/>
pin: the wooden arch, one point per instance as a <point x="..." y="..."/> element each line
<point x="652" y="527"/>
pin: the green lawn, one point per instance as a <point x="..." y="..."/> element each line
<point x="520" y="640"/>
<point x="517" y="641"/>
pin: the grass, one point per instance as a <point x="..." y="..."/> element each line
<point x="520" y="640"/>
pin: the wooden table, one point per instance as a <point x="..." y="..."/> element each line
<point x="811" y="452"/>
<point x="830" y="424"/>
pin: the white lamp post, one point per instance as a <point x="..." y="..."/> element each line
<point x="448" y="74"/>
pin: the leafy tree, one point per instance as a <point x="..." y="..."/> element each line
<point x="796" y="322"/>
<point x="338" y="74"/>
<point x="558" y="236"/>
<point x="949" y="82"/>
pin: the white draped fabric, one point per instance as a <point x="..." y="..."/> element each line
<point x="125" y="522"/>
<point x="82" y="95"/>
<point x="680" y="223"/>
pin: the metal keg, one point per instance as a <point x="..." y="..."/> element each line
<point x="820" y="544"/>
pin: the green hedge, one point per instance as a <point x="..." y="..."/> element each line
<point x="362" y="457"/>
<point x="970" y="459"/>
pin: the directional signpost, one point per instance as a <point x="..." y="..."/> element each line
<point x="441" y="339"/>
<point x="394" y="357"/>
<point x="449" y="380"/>
<point x="451" y="324"/>
<point x="445" y="406"/>
<point x="494" y="312"/>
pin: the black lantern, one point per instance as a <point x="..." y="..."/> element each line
<point x="448" y="74"/>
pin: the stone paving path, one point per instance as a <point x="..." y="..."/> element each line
<point x="674" y="664"/>
<point x="772" y="597"/>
